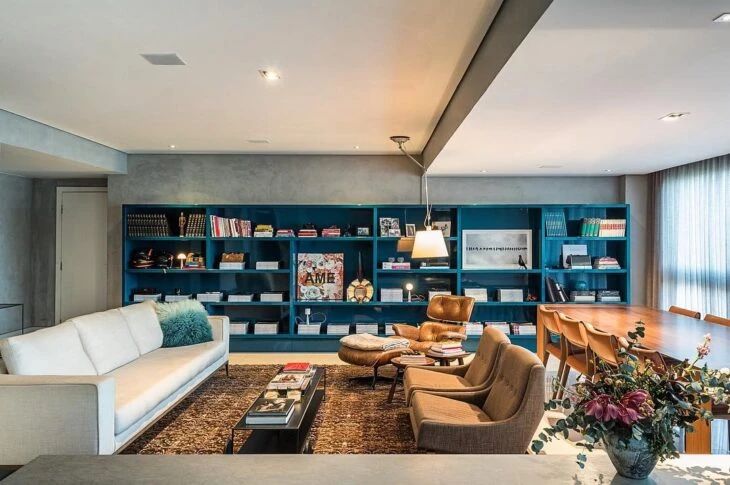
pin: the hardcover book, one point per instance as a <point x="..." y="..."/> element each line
<point x="320" y="276"/>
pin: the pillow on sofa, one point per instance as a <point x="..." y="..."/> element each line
<point x="106" y="339"/>
<point x="184" y="323"/>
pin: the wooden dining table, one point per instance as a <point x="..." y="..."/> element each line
<point x="672" y="335"/>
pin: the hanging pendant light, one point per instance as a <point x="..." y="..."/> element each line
<point x="428" y="243"/>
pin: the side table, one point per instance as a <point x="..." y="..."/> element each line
<point x="400" y="369"/>
<point x="446" y="360"/>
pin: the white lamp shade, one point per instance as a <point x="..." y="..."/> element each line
<point x="429" y="244"/>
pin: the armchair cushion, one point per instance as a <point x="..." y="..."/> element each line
<point x="420" y="379"/>
<point x="106" y="339"/>
<point x="144" y="326"/>
<point x="428" y="407"/>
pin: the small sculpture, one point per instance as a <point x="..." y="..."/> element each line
<point x="181" y="221"/>
<point x="521" y="262"/>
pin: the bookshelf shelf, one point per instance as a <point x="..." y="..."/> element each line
<point x="546" y="254"/>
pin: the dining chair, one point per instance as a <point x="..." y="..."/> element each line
<point x="551" y="333"/>
<point x="718" y="320"/>
<point x="602" y="348"/>
<point x="644" y="355"/>
<point x="576" y="348"/>
<point x="683" y="311"/>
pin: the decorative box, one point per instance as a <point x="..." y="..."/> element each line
<point x="174" y="298"/>
<point x="231" y="265"/>
<point x="240" y="298"/>
<point x="311" y="329"/>
<point x="371" y="328"/>
<point x="391" y="294"/>
<point x="338" y="329"/>
<point x="523" y="329"/>
<point x="479" y="294"/>
<point x="432" y="293"/>
<point x="211" y="296"/>
<point x="266" y="328"/>
<point x="501" y="326"/>
<point x="511" y="295"/>
<point x="238" y="328"/>
<point x="267" y="265"/>
<point x="145" y="297"/>
<point x="272" y="296"/>
<point x="474" y="328"/>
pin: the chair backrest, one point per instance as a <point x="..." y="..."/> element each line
<point x="718" y="320"/>
<point x="684" y="311"/>
<point x="491" y="345"/>
<point x="450" y="308"/>
<point x="517" y="374"/>
<point x="603" y="345"/>
<point x="573" y="330"/>
<point x="645" y="355"/>
<point x="549" y="319"/>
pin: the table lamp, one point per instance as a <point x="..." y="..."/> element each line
<point x="182" y="257"/>
<point x="409" y="288"/>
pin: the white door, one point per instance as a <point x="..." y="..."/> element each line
<point x="81" y="252"/>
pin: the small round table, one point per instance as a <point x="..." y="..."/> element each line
<point x="400" y="370"/>
<point x="446" y="360"/>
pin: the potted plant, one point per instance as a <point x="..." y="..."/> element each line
<point x="637" y="409"/>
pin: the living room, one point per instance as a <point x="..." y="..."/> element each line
<point x="373" y="240"/>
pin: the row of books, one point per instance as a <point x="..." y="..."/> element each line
<point x="555" y="224"/>
<point x="446" y="348"/>
<point x="597" y="227"/>
<point x="606" y="262"/>
<point x="195" y="226"/>
<point x="229" y="227"/>
<point x="148" y="225"/>
<point x="282" y="393"/>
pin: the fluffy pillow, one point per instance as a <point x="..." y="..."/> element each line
<point x="184" y="323"/>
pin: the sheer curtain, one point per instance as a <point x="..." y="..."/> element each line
<point x="690" y="255"/>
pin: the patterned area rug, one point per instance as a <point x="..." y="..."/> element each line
<point x="353" y="419"/>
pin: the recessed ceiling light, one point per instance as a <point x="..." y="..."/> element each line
<point x="482" y="171"/>
<point x="172" y="147"/>
<point x="260" y="141"/>
<point x="163" y="59"/>
<point x="551" y="166"/>
<point x="269" y="75"/>
<point x="356" y="147"/>
<point x="607" y="170"/>
<point x="674" y="116"/>
<point x="722" y="18"/>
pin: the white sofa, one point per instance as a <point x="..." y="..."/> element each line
<point x="94" y="383"/>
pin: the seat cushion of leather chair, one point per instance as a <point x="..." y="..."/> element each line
<point x="427" y="407"/>
<point x="428" y="380"/>
<point x="144" y="383"/>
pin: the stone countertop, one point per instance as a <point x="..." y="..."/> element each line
<point x="358" y="469"/>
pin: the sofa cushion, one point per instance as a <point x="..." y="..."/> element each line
<point x="53" y="351"/>
<point x="106" y="339"/>
<point x="427" y="407"/>
<point x="143" y="325"/>
<point x="149" y="380"/>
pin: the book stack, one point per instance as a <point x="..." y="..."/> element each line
<point x="555" y="224"/>
<point x="414" y="359"/>
<point x="474" y="328"/>
<point x="225" y="227"/>
<point x="396" y="265"/>
<point x="612" y="228"/>
<point x="286" y="381"/>
<point x="501" y="326"/>
<point x="263" y="230"/>
<point x="240" y="297"/>
<point x="266" y="328"/>
<point x="447" y="348"/>
<point x="272" y="296"/>
<point x="583" y="296"/>
<point x="608" y="296"/>
<point x="307" y="233"/>
<point x="285" y="233"/>
<point x="297" y="368"/>
<point x="555" y="291"/>
<point x="523" y="329"/>
<point x="267" y="265"/>
<point x="606" y="262"/>
<point x="270" y="411"/>
<point x="209" y="296"/>
<point x="195" y="226"/>
<point x="391" y="295"/>
<point x="147" y="225"/>
<point x="331" y="232"/>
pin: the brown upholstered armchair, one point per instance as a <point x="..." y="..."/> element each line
<point x="446" y="315"/>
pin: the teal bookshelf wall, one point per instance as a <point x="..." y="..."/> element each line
<point x="546" y="253"/>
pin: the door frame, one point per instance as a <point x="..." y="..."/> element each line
<point x="59" y="248"/>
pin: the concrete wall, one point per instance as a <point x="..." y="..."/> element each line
<point x="16" y="194"/>
<point x="43" y="249"/>
<point x="318" y="179"/>
<point x="635" y="191"/>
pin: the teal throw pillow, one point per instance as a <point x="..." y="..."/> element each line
<point x="183" y="323"/>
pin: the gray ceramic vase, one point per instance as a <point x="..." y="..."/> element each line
<point x="633" y="461"/>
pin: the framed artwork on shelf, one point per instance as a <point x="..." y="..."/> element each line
<point x="410" y="230"/>
<point x="497" y="249"/>
<point x="443" y="226"/>
<point x="320" y="276"/>
<point x="389" y="227"/>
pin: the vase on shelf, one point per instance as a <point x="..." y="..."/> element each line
<point x="633" y="459"/>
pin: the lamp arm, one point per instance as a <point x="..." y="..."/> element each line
<point x="427" y="220"/>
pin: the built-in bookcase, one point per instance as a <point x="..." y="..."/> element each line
<point x="374" y="249"/>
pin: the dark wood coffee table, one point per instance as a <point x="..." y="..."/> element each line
<point x="400" y="369"/>
<point x="289" y="437"/>
<point x="446" y="360"/>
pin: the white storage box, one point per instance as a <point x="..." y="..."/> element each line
<point x="267" y="265"/>
<point x="173" y="298"/>
<point x="266" y="328"/>
<point x="479" y="294"/>
<point x="432" y="293"/>
<point x="271" y="296"/>
<point x="474" y="328"/>
<point x="391" y="294"/>
<point x="238" y="328"/>
<point x="371" y="328"/>
<point x="501" y="326"/>
<point x="338" y="329"/>
<point x="208" y="297"/>
<point x="240" y="298"/>
<point x="311" y="329"/>
<point x="155" y="297"/>
<point x="389" y="329"/>
<point x="511" y="295"/>
<point x="231" y="265"/>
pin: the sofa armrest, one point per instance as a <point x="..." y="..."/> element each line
<point x="55" y="415"/>
<point x="456" y="370"/>
<point x="220" y="324"/>
<point x="471" y="395"/>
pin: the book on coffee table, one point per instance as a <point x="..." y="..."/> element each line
<point x="270" y="411"/>
<point x="297" y="368"/>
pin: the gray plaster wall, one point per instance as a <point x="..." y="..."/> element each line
<point x="43" y="249"/>
<point x="317" y="179"/>
<point x="16" y="194"/>
<point x="635" y="191"/>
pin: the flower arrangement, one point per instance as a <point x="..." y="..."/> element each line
<point x="637" y="407"/>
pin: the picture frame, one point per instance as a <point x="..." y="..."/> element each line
<point x="496" y="249"/>
<point x="363" y="231"/>
<point x="389" y="226"/>
<point x="443" y="226"/>
<point x="410" y="230"/>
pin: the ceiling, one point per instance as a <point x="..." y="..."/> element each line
<point x="584" y="91"/>
<point x="352" y="72"/>
<point x="32" y="163"/>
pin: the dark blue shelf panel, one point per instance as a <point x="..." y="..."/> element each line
<point x="247" y="303"/>
<point x="206" y="271"/>
<point x="501" y="271"/>
<point x="418" y="271"/>
<point x="165" y="238"/>
<point x="508" y="303"/>
<point x="590" y="271"/>
<point x="579" y="238"/>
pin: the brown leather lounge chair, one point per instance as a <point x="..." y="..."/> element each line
<point x="474" y="377"/>
<point x="503" y="423"/>
<point x="446" y="315"/>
